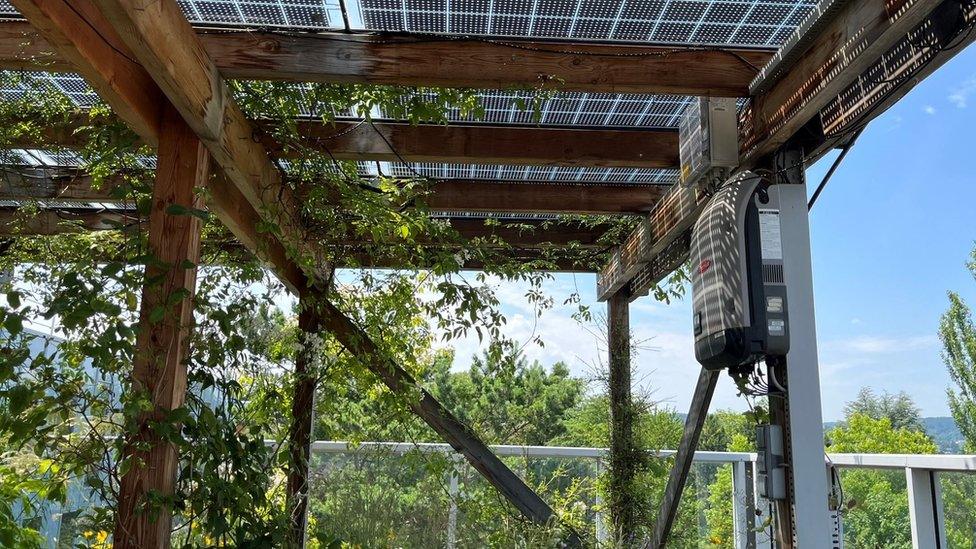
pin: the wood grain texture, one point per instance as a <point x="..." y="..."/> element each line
<point x="302" y="415"/>
<point x="468" y="195"/>
<point x="83" y="38"/>
<point x="451" y="63"/>
<point x="166" y="45"/>
<point x="159" y="371"/>
<point x="527" y="196"/>
<point x="685" y="454"/>
<point x="854" y="39"/>
<point x="49" y="222"/>
<point x="473" y="63"/>
<point x="490" y="144"/>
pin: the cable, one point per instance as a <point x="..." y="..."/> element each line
<point x="833" y="167"/>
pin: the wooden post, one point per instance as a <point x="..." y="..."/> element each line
<point x="624" y="453"/>
<point x="302" y="415"/>
<point x="694" y="423"/>
<point x="166" y="315"/>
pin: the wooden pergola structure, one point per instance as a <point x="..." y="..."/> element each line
<point x="809" y="75"/>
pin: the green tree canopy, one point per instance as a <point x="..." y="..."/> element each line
<point x="899" y="408"/>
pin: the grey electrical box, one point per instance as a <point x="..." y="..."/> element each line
<point x="770" y="469"/>
<point x="708" y="141"/>
<point x="738" y="296"/>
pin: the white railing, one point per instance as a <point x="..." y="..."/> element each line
<point x="921" y="472"/>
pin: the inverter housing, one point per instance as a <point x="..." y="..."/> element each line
<point x="738" y="318"/>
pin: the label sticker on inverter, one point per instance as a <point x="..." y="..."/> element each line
<point x="769" y="236"/>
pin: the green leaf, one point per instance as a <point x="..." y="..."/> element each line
<point x="13" y="299"/>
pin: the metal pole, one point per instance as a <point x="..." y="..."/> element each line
<point x="741" y="507"/>
<point x="452" y="511"/>
<point x="601" y="525"/>
<point x="807" y="474"/>
<point x="925" y="509"/>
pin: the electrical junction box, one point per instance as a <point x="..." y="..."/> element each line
<point x="708" y="141"/>
<point x="738" y="288"/>
<point x="770" y="469"/>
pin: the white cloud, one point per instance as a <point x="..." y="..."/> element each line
<point x="928" y="109"/>
<point x="959" y="96"/>
<point x="883" y="345"/>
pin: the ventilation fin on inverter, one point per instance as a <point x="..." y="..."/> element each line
<point x="772" y="274"/>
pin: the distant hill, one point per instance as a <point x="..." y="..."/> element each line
<point x="943" y="431"/>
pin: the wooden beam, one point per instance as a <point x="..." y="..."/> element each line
<point x="83" y="38"/>
<point x="440" y="419"/>
<point x="302" y="415"/>
<point x="165" y="319"/>
<point x="51" y="222"/>
<point x="685" y="454"/>
<point x="843" y="49"/>
<point x="488" y="144"/>
<point x="449" y="62"/>
<point x="625" y="454"/>
<point x="527" y="196"/>
<point x="79" y="33"/>
<point x="26" y="183"/>
<point x="852" y="66"/>
<point x="161" y="39"/>
<point x="525" y="235"/>
<point x="467" y="195"/>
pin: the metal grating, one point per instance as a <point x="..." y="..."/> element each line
<point x="711" y="22"/>
<point x="296" y="14"/>
<point x="703" y="22"/>
<point x="529" y="173"/>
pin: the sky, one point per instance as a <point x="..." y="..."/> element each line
<point x="890" y="236"/>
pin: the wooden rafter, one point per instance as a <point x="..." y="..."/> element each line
<point x="490" y="144"/>
<point x="451" y="63"/>
<point x="455" y="195"/>
<point x="454" y="143"/>
<point x="517" y="234"/>
<point x="78" y="32"/>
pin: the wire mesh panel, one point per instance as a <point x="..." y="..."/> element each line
<point x="732" y="22"/>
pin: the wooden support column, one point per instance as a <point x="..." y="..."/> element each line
<point x="694" y="423"/>
<point x="166" y="316"/>
<point x="624" y="453"/>
<point x="302" y="415"/>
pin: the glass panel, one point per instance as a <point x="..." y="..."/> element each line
<point x="876" y="509"/>
<point x="959" y="508"/>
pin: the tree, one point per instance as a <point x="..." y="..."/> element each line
<point x="898" y="408"/>
<point x="958" y="334"/>
<point x="876" y="501"/>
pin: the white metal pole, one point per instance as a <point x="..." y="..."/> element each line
<point x="809" y="476"/>
<point x="601" y="525"/>
<point x="740" y="515"/>
<point x="925" y="509"/>
<point x="452" y="511"/>
<point x="759" y="522"/>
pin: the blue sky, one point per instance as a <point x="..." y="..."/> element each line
<point x="890" y="236"/>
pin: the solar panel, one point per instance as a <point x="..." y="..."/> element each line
<point x="528" y="173"/>
<point x="712" y="22"/>
<point x="297" y="14"/>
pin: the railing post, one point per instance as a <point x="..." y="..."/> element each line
<point x="763" y="539"/>
<point x="452" y="512"/>
<point x="600" y="518"/>
<point x="925" y="509"/>
<point x="743" y="506"/>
